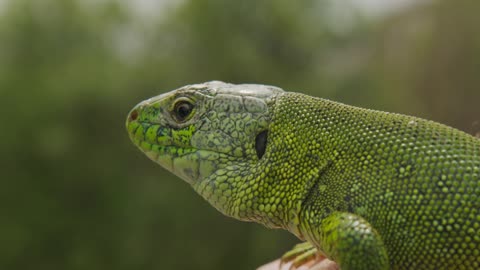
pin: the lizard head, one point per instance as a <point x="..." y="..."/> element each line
<point x="212" y="135"/>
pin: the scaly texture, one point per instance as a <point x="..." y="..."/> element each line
<point x="369" y="189"/>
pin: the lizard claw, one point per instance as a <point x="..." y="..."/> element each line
<point x="303" y="254"/>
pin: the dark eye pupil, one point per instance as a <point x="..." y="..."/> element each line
<point x="183" y="110"/>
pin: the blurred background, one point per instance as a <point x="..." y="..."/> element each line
<point x="76" y="194"/>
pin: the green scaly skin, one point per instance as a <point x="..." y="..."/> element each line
<point x="369" y="189"/>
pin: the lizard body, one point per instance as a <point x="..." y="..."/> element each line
<point x="368" y="189"/>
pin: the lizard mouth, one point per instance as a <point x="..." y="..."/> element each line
<point x="155" y="142"/>
<point x="189" y="163"/>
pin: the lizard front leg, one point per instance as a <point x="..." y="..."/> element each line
<point x="349" y="240"/>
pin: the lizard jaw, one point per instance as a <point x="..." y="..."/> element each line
<point x="189" y="163"/>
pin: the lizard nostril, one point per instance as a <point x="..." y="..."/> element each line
<point x="133" y="115"/>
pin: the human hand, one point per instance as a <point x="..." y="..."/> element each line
<point x="321" y="264"/>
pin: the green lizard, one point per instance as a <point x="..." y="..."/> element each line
<point x="367" y="189"/>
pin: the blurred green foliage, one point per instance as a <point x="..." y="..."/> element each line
<point x="76" y="194"/>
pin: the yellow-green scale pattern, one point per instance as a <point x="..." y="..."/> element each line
<point x="409" y="183"/>
<point x="369" y="189"/>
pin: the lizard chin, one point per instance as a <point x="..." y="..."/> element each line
<point x="190" y="164"/>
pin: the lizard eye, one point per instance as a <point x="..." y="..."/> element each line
<point x="182" y="110"/>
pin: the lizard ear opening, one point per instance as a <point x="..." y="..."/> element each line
<point x="261" y="143"/>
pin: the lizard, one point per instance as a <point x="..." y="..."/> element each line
<point x="364" y="188"/>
